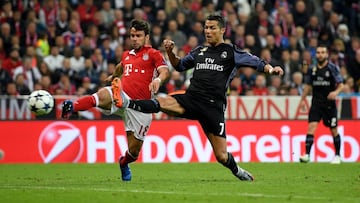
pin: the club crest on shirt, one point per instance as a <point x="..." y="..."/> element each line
<point x="223" y="55"/>
<point x="314" y="71"/>
<point x="327" y="74"/>
<point x="145" y="57"/>
<point x="203" y="49"/>
<point x="127" y="58"/>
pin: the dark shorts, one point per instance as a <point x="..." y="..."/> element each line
<point x="325" y="111"/>
<point x="209" y="113"/>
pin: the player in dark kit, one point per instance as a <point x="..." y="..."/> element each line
<point x="205" y="100"/>
<point x="326" y="82"/>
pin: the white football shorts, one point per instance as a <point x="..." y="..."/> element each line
<point x="134" y="121"/>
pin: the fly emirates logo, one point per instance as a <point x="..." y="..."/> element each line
<point x="209" y="65"/>
<point x="192" y="146"/>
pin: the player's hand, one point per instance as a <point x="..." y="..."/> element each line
<point x="155" y="85"/>
<point x="277" y="70"/>
<point x="332" y="95"/>
<point x="302" y="105"/>
<point x="168" y="45"/>
<point x="109" y="78"/>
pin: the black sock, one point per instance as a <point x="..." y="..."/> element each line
<point x="231" y="164"/>
<point x="337" y="143"/>
<point x="308" y="143"/>
<point x="145" y="106"/>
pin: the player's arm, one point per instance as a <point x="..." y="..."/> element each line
<point x="180" y="64"/>
<point x="307" y="84"/>
<point x="169" y="46"/>
<point x="162" y="70"/>
<point x="119" y="69"/>
<point x="164" y="75"/>
<point x="277" y="70"/>
<point x="245" y="59"/>
<point x="306" y="91"/>
<point x="335" y="71"/>
<point x="332" y="95"/>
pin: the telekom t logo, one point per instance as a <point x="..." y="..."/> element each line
<point x="127" y="69"/>
<point x="60" y="142"/>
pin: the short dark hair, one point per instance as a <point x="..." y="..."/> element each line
<point x="140" y="25"/>
<point x="218" y="18"/>
<point x="323" y="46"/>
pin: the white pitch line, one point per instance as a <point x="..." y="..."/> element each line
<point x="17" y="187"/>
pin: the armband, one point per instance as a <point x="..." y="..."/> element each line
<point x="158" y="79"/>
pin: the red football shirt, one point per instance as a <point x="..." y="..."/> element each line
<point x="140" y="68"/>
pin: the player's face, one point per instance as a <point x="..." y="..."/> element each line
<point x="213" y="34"/>
<point x="137" y="38"/>
<point x="321" y="54"/>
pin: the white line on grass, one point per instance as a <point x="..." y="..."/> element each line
<point x="21" y="187"/>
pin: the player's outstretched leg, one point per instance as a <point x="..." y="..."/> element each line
<point x="119" y="98"/>
<point x="237" y="170"/>
<point x="125" y="170"/>
<point x="244" y="175"/>
<point x="67" y="109"/>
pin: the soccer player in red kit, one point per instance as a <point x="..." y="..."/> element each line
<point x="142" y="70"/>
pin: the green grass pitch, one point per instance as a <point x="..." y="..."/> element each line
<point x="189" y="182"/>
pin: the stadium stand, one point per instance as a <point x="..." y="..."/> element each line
<point x="283" y="32"/>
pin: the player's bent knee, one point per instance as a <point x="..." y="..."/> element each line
<point x="104" y="96"/>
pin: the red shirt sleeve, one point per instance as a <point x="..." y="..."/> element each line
<point x="159" y="59"/>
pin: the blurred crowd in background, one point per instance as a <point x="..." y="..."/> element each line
<point x="69" y="47"/>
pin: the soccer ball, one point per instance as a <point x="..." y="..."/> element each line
<point x="40" y="102"/>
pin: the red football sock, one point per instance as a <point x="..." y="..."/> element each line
<point x="84" y="103"/>
<point x="127" y="159"/>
